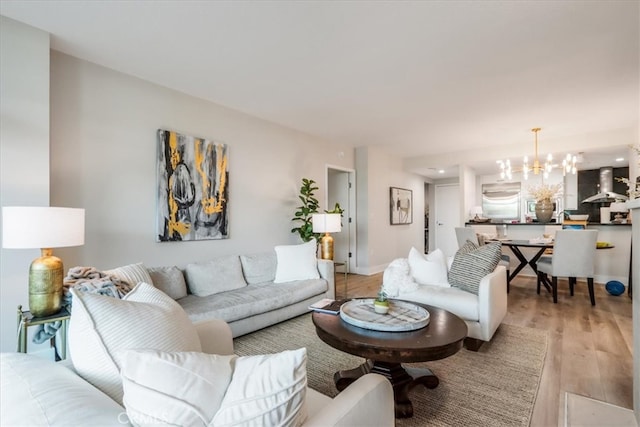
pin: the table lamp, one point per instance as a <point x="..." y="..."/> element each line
<point x="326" y="223"/>
<point x="618" y="208"/>
<point x="28" y="227"/>
<point x="477" y="211"/>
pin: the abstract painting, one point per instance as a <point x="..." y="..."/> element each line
<point x="400" y="204"/>
<point x="193" y="182"/>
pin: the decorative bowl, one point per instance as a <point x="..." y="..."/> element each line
<point x="481" y="219"/>
<point x="614" y="287"/>
<point x="579" y="217"/>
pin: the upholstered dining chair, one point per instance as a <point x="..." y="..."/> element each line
<point x="467" y="233"/>
<point x="574" y="253"/>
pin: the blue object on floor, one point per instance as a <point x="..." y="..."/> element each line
<point x="614" y="287"/>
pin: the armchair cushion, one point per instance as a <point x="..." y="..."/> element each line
<point x="201" y="389"/>
<point x="471" y="265"/>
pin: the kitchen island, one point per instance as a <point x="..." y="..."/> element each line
<point x="610" y="264"/>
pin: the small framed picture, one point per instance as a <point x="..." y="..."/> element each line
<point x="401" y="206"/>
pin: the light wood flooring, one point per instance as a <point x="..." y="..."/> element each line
<point x="589" y="349"/>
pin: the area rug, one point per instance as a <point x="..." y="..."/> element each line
<point x="495" y="386"/>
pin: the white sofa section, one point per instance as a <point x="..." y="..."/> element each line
<point x="38" y="392"/>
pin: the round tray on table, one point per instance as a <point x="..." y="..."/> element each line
<point x="402" y="316"/>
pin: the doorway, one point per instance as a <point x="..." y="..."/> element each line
<point x="447" y="217"/>
<point x="341" y="189"/>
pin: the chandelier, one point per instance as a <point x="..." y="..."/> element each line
<point x="506" y="170"/>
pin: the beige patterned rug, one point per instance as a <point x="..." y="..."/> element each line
<point x="495" y="386"/>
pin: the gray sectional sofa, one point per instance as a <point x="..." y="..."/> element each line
<point x="241" y="290"/>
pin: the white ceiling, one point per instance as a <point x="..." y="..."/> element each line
<point x="438" y="82"/>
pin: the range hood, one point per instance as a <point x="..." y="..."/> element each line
<point x="606" y="193"/>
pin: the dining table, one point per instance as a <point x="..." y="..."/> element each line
<point x="516" y="245"/>
<point x="541" y="246"/>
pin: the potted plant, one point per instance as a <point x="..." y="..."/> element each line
<point x="543" y="194"/>
<point x="306" y="210"/>
<point x="381" y="303"/>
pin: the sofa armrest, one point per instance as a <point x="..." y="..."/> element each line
<point x="327" y="272"/>
<point x="492" y="300"/>
<point x="366" y="402"/>
<point x="215" y="336"/>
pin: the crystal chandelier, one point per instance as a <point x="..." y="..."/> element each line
<point x="506" y="170"/>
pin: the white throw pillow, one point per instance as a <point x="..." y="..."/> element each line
<point x="198" y="389"/>
<point x="430" y="269"/>
<point x="132" y="274"/>
<point x="182" y="389"/>
<point x="268" y="390"/>
<point x="296" y="262"/>
<point x="101" y="326"/>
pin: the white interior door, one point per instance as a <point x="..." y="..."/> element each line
<point x="447" y="210"/>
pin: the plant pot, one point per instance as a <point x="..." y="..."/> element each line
<point x="544" y="210"/>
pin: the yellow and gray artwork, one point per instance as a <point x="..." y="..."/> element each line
<point x="193" y="179"/>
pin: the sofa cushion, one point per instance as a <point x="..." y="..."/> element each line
<point x="471" y="265"/>
<point x="215" y="276"/>
<point x="169" y="280"/>
<point x="132" y="274"/>
<point x="202" y="389"/>
<point x="459" y="302"/>
<point x="430" y="269"/>
<point x="101" y="326"/>
<point x="259" y="268"/>
<point x="297" y="262"/>
<point x="251" y="300"/>
<point x="39" y="392"/>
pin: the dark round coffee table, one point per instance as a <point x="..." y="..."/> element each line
<point x="386" y="351"/>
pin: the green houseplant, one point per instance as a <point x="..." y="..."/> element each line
<point x="304" y="212"/>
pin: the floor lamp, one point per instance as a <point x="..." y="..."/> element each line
<point x="29" y="227"/>
<point x="326" y="223"/>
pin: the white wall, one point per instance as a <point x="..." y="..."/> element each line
<point x="377" y="170"/>
<point x="103" y="158"/>
<point x="24" y="153"/>
<point x="470" y="198"/>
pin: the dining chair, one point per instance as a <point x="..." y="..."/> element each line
<point x="574" y="253"/>
<point x="467" y="233"/>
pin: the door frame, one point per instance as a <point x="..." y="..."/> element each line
<point x="350" y="218"/>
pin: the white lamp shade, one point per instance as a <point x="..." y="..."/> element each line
<point x="618" y="207"/>
<point x="326" y="223"/>
<point x="27" y="227"/>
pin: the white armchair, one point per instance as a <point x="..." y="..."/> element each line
<point x="482" y="313"/>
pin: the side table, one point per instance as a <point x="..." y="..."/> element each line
<point x="26" y="319"/>
<point x="346" y="272"/>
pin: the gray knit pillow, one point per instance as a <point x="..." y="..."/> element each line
<point x="468" y="268"/>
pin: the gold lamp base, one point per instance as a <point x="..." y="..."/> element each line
<point x="45" y="284"/>
<point x="326" y="247"/>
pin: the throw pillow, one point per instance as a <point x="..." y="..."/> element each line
<point x="268" y="390"/>
<point x="132" y="274"/>
<point x="296" y="262"/>
<point x="169" y="280"/>
<point x="209" y="390"/>
<point x="467" y="246"/>
<point x="468" y="268"/>
<point x="259" y="268"/>
<point x="180" y="389"/>
<point x="397" y="279"/>
<point x="101" y="326"/>
<point x="430" y="269"/>
<point x="215" y="276"/>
